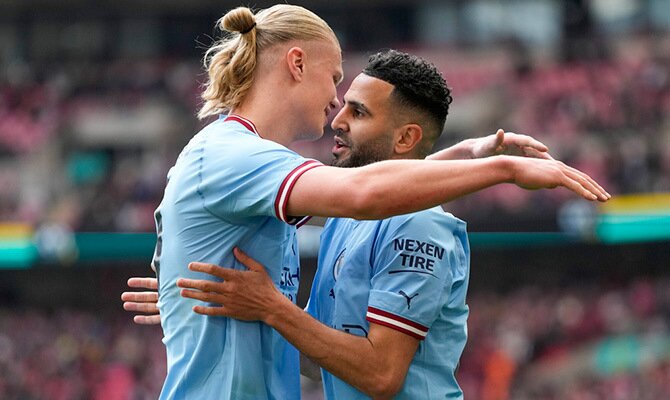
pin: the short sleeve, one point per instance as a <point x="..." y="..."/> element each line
<point x="249" y="178"/>
<point x="417" y="258"/>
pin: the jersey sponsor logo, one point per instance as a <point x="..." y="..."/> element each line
<point x="408" y="297"/>
<point x="288" y="282"/>
<point x="339" y="263"/>
<point x="417" y="256"/>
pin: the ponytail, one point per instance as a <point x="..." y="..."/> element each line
<point x="231" y="61"/>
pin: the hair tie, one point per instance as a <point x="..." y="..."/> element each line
<point x="248" y="30"/>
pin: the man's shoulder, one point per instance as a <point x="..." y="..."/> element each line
<point x="431" y="218"/>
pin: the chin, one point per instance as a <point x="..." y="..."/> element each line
<point x="311" y="135"/>
<point x="341" y="163"/>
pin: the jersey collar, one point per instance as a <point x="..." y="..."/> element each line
<point x="245" y="122"/>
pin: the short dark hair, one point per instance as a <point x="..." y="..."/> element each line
<point x="417" y="84"/>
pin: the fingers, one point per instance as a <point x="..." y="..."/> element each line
<point x="142" y="297"/>
<point x="147" y="319"/>
<point x="587" y="184"/>
<point x="211" y="269"/>
<point x="143" y="283"/>
<point x="202" y="285"/>
<point x="149" y="308"/>
<point x="533" y="153"/>
<point x="577" y="187"/>
<point x="522" y="141"/>
<point x="211" y="311"/>
<point x="552" y="173"/>
<point x="247" y="261"/>
<point x="499" y="138"/>
<point x="143" y="302"/>
<point x="207" y="297"/>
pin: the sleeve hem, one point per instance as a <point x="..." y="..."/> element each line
<point x="285" y="189"/>
<point x="396" y="322"/>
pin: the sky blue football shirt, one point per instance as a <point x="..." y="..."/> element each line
<point x="228" y="188"/>
<point x="409" y="273"/>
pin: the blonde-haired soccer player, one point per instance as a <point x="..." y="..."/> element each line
<point x="236" y="184"/>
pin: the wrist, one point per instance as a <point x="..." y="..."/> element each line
<point x="506" y="166"/>
<point x="279" y="310"/>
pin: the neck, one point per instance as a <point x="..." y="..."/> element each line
<point x="269" y="111"/>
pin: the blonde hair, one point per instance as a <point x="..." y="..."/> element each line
<point x="231" y="61"/>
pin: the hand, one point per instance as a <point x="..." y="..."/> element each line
<point x="142" y="302"/>
<point x="531" y="173"/>
<point x="509" y="143"/>
<point x="245" y="295"/>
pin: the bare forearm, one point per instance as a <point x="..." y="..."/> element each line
<point x="397" y="187"/>
<point x="349" y="357"/>
<point x="376" y="364"/>
<point x="394" y="189"/>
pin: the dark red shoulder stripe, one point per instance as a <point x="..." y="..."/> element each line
<point x="245" y="122"/>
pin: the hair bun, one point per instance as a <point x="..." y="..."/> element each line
<point x="240" y="19"/>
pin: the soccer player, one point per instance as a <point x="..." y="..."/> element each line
<point x="389" y="295"/>
<point x="235" y="184"/>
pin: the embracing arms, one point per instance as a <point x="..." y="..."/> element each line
<point x="376" y="364"/>
<point x="395" y="187"/>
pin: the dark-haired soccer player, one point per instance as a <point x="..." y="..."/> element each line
<point x="272" y="81"/>
<point x="389" y="295"/>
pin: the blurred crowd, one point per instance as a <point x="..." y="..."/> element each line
<point x="580" y="342"/>
<point x="72" y="355"/>
<point x="89" y="144"/>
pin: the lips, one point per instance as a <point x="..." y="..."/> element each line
<point x="339" y="147"/>
<point x="339" y="142"/>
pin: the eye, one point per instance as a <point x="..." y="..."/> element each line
<point x="358" y="113"/>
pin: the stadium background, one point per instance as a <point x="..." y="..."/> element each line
<point x="568" y="300"/>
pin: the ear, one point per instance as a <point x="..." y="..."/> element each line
<point x="407" y="138"/>
<point x="295" y="59"/>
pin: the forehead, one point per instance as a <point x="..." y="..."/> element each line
<point x="327" y="54"/>
<point x="369" y="91"/>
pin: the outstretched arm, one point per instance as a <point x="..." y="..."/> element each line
<point x="498" y="143"/>
<point x="143" y="302"/>
<point x="251" y="295"/>
<point x="395" y="187"/>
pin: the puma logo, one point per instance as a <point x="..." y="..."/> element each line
<point x="409" y="298"/>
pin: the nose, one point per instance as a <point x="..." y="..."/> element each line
<point x="334" y="103"/>
<point x="339" y="123"/>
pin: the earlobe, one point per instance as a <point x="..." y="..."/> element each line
<point x="295" y="58"/>
<point x="408" y="139"/>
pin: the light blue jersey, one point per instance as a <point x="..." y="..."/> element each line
<point x="409" y="273"/>
<point x="228" y="188"/>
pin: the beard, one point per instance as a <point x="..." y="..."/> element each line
<point x="377" y="149"/>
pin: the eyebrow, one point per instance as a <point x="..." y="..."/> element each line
<point x="357" y="104"/>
